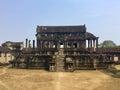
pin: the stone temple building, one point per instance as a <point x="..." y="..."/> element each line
<point x="67" y="37"/>
<point x="5" y="55"/>
<point x="65" y="48"/>
<point x="9" y="50"/>
<point x="16" y="46"/>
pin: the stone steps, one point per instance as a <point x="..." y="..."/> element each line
<point x="60" y="61"/>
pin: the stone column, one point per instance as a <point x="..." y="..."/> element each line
<point x="64" y="44"/>
<point x="47" y="44"/>
<point x="78" y="45"/>
<point x="71" y="44"/>
<point x="51" y="44"/>
<point x="54" y="44"/>
<point x="94" y="45"/>
<point x="26" y="43"/>
<point x="88" y="43"/>
<point x="29" y="45"/>
<point x="58" y="45"/>
<point x="95" y="63"/>
<point x="40" y="43"/>
<point x="97" y="43"/>
<point x="43" y="44"/>
<point x="33" y="44"/>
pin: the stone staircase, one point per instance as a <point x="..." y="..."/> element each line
<point x="60" y="61"/>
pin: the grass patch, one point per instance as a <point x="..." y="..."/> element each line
<point x="113" y="73"/>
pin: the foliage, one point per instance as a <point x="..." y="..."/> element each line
<point x="113" y="73"/>
<point x="107" y="44"/>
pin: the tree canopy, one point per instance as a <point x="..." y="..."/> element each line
<point x="107" y="44"/>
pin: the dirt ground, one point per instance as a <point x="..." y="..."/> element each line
<point x="22" y="79"/>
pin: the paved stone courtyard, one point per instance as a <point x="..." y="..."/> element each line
<point x="21" y="79"/>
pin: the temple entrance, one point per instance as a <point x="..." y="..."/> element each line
<point x="69" y="66"/>
<point x="52" y="67"/>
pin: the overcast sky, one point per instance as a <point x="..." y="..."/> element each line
<point x="19" y="18"/>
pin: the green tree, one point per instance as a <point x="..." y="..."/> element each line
<point x="118" y="46"/>
<point x="107" y="44"/>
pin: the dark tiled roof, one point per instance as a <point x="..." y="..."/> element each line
<point x="12" y="43"/>
<point x="90" y="35"/>
<point x="80" y="28"/>
<point x="4" y="49"/>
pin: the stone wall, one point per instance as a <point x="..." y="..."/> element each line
<point x="6" y="57"/>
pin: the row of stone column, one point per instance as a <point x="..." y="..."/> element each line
<point x="77" y="44"/>
<point x="93" y="43"/>
<point x="46" y="44"/>
<point x="67" y="44"/>
<point x="28" y="44"/>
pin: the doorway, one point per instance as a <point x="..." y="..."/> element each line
<point x="61" y="45"/>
